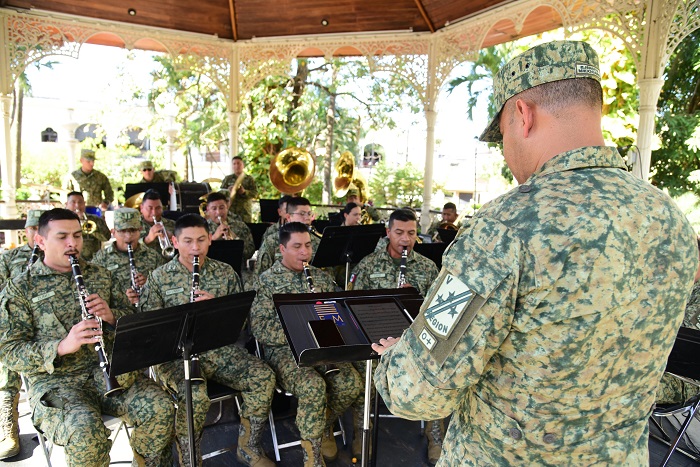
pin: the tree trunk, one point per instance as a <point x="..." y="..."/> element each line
<point x="18" y="134"/>
<point x="330" y="127"/>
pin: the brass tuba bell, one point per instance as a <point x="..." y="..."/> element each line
<point x="347" y="175"/>
<point x="292" y="170"/>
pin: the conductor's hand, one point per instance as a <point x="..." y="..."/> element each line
<point x="98" y="307"/>
<point x="85" y="332"/>
<point x="203" y="295"/>
<point x="132" y="296"/>
<point x="384" y="344"/>
<point x="153" y="233"/>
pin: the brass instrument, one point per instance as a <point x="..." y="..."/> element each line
<point x="329" y="369"/>
<point x="167" y="248"/>
<point x="195" y="370"/>
<point x="236" y="185"/>
<point x="401" y="281"/>
<point x="347" y="175"/>
<point x="111" y="383"/>
<point x="133" y="271"/>
<point x="314" y="232"/>
<point x="292" y="170"/>
<point x="134" y="201"/>
<point x="89" y="227"/>
<point x="228" y="235"/>
<point x="34" y="256"/>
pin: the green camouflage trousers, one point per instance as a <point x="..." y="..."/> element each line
<point x="9" y="380"/>
<point x="231" y="366"/>
<point x="78" y="426"/>
<point x="314" y="391"/>
<point x="672" y="390"/>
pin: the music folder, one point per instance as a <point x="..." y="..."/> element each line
<point x="153" y="337"/>
<point x="360" y="318"/>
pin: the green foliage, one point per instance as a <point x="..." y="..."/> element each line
<point x="396" y="187"/>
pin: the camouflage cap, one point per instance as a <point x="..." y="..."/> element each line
<point x="146" y="165"/>
<point x="127" y="218"/>
<point x="545" y="63"/>
<point x="33" y="217"/>
<point x="87" y="154"/>
<point x="353" y="192"/>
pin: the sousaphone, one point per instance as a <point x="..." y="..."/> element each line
<point x="347" y="175"/>
<point x="292" y="170"/>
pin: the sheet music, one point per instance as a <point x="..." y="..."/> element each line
<point x="379" y="319"/>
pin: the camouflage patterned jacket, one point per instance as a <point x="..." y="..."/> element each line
<point x="14" y="262"/>
<point x="117" y="262"/>
<point x="270" y="252"/>
<point x="95" y="185"/>
<point x="169" y="225"/>
<point x="274" y="229"/>
<point x="37" y="310"/>
<point x="278" y="279"/>
<point x="548" y="328"/>
<point x="379" y="271"/>
<point x="92" y="243"/>
<point x="241" y="231"/>
<point x="242" y="204"/>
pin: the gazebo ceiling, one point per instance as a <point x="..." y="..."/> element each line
<point x="248" y="19"/>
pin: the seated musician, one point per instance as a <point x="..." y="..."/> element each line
<point x="151" y="211"/>
<point x="171" y="285"/>
<point x="231" y="228"/>
<point x="449" y="217"/>
<point x="352" y="214"/>
<point x="43" y="336"/>
<point x="298" y="210"/>
<point x="380" y="270"/>
<point x="282" y="213"/>
<point x="15" y="261"/>
<point x="354" y="196"/>
<point x="322" y="397"/>
<point x="95" y="230"/>
<point x="115" y="257"/>
<point x="150" y="175"/>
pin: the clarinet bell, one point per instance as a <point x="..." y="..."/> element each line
<point x="195" y="370"/>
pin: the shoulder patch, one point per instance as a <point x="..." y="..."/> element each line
<point x="447" y="305"/>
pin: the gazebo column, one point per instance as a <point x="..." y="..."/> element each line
<point x="649" y="91"/>
<point x="7" y="163"/>
<point x="234" y="109"/>
<point x="431" y="93"/>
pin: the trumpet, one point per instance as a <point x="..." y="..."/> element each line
<point x="133" y="272"/>
<point x="228" y="235"/>
<point x="167" y="249"/>
<point x="401" y="281"/>
<point x="34" y="256"/>
<point x="89" y="227"/>
<point x="110" y="382"/>
<point x="195" y="370"/>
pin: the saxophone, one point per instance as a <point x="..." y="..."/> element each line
<point x="402" y="269"/>
<point x="133" y="272"/>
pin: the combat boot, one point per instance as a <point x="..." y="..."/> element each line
<point x="183" y="452"/>
<point x="434" y="431"/>
<point x="9" y="425"/>
<point x="312" y="453"/>
<point x="165" y="458"/>
<point x="250" y="451"/>
<point x="329" y="448"/>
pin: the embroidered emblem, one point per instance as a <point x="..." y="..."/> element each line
<point x="447" y="305"/>
<point x="427" y="339"/>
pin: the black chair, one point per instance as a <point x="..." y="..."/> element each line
<point x="218" y="393"/>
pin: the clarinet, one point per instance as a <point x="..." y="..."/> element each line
<point x="402" y="268"/>
<point x="110" y="382"/>
<point x="133" y="272"/>
<point x="309" y="279"/>
<point x="34" y="256"/>
<point x="195" y="370"/>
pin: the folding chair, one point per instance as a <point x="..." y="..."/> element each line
<point x="218" y="393"/>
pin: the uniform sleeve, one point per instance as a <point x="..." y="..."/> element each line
<point x="119" y="303"/>
<point x="265" y="258"/>
<point x="227" y="182"/>
<point x="108" y="192"/>
<point x="264" y="322"/>
<point x="245" y="234"/>
<point x="251" y="189"/>
<point x="464" y="320"/>
<point x="5" y="266"/>
<point x="361" y="272"/>
<point x="151" y="298"/>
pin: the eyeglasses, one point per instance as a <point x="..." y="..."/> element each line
<point x="302" y="213"/>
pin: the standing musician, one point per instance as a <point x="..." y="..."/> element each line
<point x="93" y="182"/>
<point x="115" y="257"/>
<point x="222" y="225"/>
<point x="13" y="263"/>
<point x="282" y="213"/>
<point x="95" y="230"/>
<point x="243" y="190"/>
<point x="170" y="285"/>
<point x="380" y="270"/>
<point x="298" y="210"/>
<point x="44" y="337"/>
<point x="549" y="327"/>
<point x="322" y="396"/>
<point x="152" y="207"/>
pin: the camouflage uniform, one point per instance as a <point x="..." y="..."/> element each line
<point x="146" y="227"/>
<point x="170" y="285"/>
<point x="92" y="243"/>
<point x="37" y="310"/>
<point x="241" y="231"/>
<point x="13" y="262"/>
<point x="547" y="330"/>
<point x="314" y="391"/>
<point x="94" y="185"/>
<point x="380" y="271"/>
<point x="242" y="204"/>
<point x="274" y="229"/>
<point x="671" y="389"/>
<point x="270" y="251"/>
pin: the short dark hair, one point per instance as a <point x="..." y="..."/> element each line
<point x="289" y="228"/>
<point x="283" y="200"/>
<point x="216" y="196"/>
<point x="450" y="206"/>
<point x="296" y="202"/>
<point x="75" y="193"/>
<point x="403" y="215"/>
<point x="557" y="96"/>
<point x="56" y="214"/>
<point x="237" y="157"/>
<point x="349" y="207"/>
<point x="190" y="220"/>
<point x="152" y="195"/>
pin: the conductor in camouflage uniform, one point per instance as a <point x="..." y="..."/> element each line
<point x="170" y="285"/>
<point x="217" y="208"/>
<point x="94" y="183"/>
<point x="13" y="263"/>
<point x="322" y="397"/>
<point x="152" y="208"/>
<point x="241" y="201"/>
<point x="92" y="240"/>
<point x="44" y="337"/>
<point x="115" y="257"/>
<point x="380" y="270"/>
<point x="547" y="331"/>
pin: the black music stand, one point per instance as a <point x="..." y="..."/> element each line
<point x="346" y="245"/>
<point x="136" y="188"/>
<point x="432" y="251"/>
<point x="268" y="210"/>
<point x="160" y="336"/>
<point x="229" y="252"/>
<point x="361" y="317"/>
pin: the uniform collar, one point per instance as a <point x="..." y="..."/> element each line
<point x="581" y="158"/>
